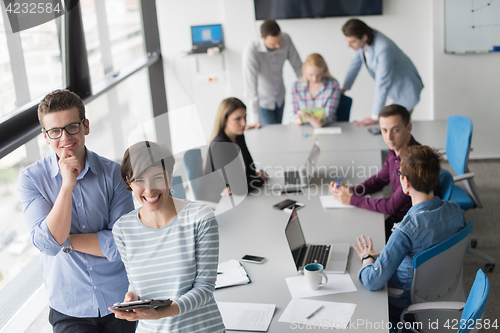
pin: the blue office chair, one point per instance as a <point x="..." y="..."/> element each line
<point x="344" y="108"/>
<point x="472" y="309"/>
<point x="438" y="276"/>
<point x="458" y="141"/>
<point x="177" y="188"/>
<point x="193" y="163"/>
<point x="446" y="184"/>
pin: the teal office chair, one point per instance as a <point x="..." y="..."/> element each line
<point x="472" y="309"/>
<point x="344" y="108"/>
<point x="193" y="163"/>
<point x="177" y="188"/>
<point x="458" y="142"/>
<point x="446" y="184"/>
<point x="437" y="276"/>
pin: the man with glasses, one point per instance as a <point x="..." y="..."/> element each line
<point x="71" y="200"/>
<point x="394" y="121"/>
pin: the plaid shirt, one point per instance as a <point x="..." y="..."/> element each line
<point x="328" y="98"/>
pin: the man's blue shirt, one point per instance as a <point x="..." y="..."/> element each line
<point x="78" y="284"/>
<point x="426" y="224"/>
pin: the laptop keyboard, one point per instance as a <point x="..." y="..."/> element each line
<point x="292" y="178"/>
<point x="318" y="252"/>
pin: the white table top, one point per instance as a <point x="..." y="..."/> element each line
<point x="254" y="227"/>
<point x="290" y="138"/>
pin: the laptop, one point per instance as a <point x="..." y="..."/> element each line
<point x="205" y="37"/>
<point x="296" y="179"/>
<point x="333" y="257"/>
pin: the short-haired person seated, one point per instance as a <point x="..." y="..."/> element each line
<point x="394" y="121"/>
<point x="316" y="89"/>
<point x="170" y="248"/>
<point x="230" y="122"/>
<point x="429" y="222"/>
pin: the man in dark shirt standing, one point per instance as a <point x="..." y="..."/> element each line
<point x="394" y="121"/>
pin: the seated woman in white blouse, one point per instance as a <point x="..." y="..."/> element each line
<point x="316" y="89"/>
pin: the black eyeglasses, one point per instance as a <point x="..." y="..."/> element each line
<point x="71" y="129"/>
<point x="398" y="171"/>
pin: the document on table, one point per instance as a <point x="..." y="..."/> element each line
<point x="332" y="315"/>
<point x="327" y="130"/>
<point x="328" y="201"/>
<point x="246" y="316"/>
<point x="231" y="273"/>
<point x="337" y="283"/>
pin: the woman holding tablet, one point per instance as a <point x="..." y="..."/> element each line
<point x="170" y="248"/>
<point x="228" y="141"/>
<point x="316" y="95"/>
<point x="429" y="222"/>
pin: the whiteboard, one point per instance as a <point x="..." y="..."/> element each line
<point x="472" y="26"/>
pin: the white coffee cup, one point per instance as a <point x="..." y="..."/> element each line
<point x="314" y="275"/>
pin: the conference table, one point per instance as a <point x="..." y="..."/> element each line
<point x="249" y="225"/>
<point x="290" y="138"/>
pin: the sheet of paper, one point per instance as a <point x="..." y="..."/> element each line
<point x="332" y="315"/>
<point x="246" y="316"/>
<point x="233" y="274"/>
<point x="328" y="201"/>
<point x="337" y="283"/>
<point x="327" y="130"/>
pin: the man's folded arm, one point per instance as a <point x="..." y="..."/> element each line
<point x="36" y="209"/>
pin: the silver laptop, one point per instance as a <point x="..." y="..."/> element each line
<point x="302" y="177"/>
<point x="333" y="257"/>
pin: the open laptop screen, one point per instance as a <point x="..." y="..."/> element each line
<point x="207" y="34"/>
<point x="312" y="160"/>
<point x="295" y="236"/>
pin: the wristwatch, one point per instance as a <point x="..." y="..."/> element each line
<point x="67" y="249"/>
<point x="366" y="256"/>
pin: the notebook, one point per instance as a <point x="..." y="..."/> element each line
<point x="231" y="273"/>
<point x="333" y="257"/>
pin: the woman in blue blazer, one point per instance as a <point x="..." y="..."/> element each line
<point x="395" y="75"/>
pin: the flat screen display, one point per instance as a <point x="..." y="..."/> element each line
<point x="292" y="9"/>
<point x="207" y="34"/>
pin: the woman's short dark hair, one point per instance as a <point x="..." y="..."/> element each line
<point x="395" y="110"/>
<point x="269" y="28"/>
<point x="144" y="155"/>
<point x="358" y="28"/>
<point x="421" y="165"/>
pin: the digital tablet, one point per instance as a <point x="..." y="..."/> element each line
<point x="316" y="112"/>
<point x="145" y="303"/>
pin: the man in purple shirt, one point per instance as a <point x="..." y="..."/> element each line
<point x="394" y="121"/>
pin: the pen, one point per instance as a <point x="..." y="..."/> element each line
<point x="338" y="182"/>
<point x="219" y="272"/>
<point x="314" y="312"/>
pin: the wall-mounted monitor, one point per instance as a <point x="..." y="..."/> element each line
<point x="292" y="9"/>
<point x="205" y="37"/>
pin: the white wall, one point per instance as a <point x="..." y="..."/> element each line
<point x="408" y="23"/>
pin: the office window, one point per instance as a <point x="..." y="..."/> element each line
<point x="113" y="35"/>
<point x="7" y="91"/>
<point x="125" y="31"/>
<point x="42" y="56"/>
<point x="34" y="55"/>
<point x="20" y="273"/>
<point x="116" y="114"/>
